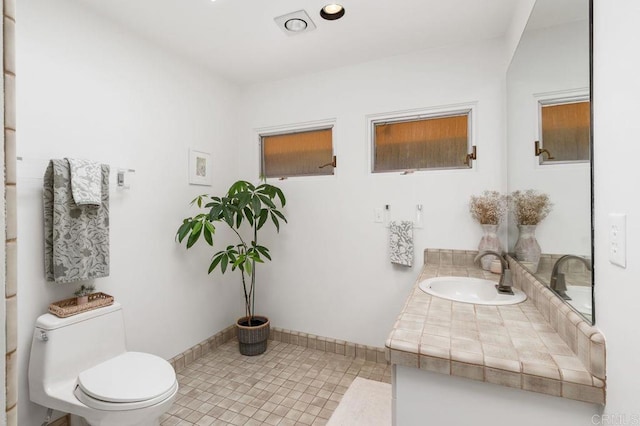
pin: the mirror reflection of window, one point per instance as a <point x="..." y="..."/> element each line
<point x="564" y="131"/>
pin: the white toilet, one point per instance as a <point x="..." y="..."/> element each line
<point x="80" y="365"/>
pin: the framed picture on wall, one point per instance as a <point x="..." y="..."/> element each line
<point x="200" y="170"/>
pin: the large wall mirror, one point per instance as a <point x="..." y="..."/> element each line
<point x="549" y="144"/>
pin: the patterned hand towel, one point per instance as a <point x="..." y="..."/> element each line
<point x="86" y="182"/>
<point x="401" y="242"/>
<point x="76" y="243"/>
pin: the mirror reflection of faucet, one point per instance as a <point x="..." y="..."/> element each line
<point x="506" y="282"/>
<point x="558" y="281"/>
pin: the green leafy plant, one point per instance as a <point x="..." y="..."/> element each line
<point x="244" y="203"/>
<point x="85" y="290"/>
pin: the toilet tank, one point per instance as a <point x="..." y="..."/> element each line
<point x="63" y="347"/>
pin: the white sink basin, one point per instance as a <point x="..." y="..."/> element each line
<point x="470" y="290"/>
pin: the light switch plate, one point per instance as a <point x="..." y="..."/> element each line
<point x="618" y="239"/>
<point x="378" y="215"/>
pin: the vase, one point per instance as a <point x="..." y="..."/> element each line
<point x="489" y="242"/>
<point x="527" y="248"/>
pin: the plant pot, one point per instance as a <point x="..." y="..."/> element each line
<point x="252" y="339"/>
<point x="489" y="242"/>
<point x="527" y="248"/>
<point x="81" y="300"/>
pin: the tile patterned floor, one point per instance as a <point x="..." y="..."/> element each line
<point x="288" y="385"/>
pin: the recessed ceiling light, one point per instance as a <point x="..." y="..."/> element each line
<point x="332" y="11"/>
<point x="295" y="25"/>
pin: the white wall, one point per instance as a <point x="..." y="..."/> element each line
<point x="519" y="20"/>
<point x="549" y="60"/>
<point x="616" y="94"/>
<point x="89" y="89"/>
<point x="331" y="275"/>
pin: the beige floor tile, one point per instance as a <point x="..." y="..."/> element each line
<point x="287" y="385"/>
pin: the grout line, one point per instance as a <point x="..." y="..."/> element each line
<point x="340" y="347"/>
<point x="327" y="344"/>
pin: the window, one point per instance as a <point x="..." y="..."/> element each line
<point x="299" y="153"/>
<point x="439" y="141"/>
<point x="564" y="130"/>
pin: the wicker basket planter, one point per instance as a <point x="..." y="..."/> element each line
<point x="67" y="307"/>
<point x="252" y="340"/>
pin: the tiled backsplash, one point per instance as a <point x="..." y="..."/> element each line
<point x="185" y="358"/>
<point x="442" y="257"/>
<point x="464" y="258"/>
<point x="326" y="344"/>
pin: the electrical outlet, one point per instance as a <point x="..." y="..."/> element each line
<point x="618" y="239"/>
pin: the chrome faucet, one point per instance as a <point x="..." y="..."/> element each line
<point x="558" y="282"/>
<point x="505" y="283"/>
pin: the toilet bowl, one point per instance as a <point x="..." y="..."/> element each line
<point x="80" y="365"/>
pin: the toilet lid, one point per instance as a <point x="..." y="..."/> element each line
<point x="129" y="377"/>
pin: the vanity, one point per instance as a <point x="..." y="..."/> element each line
<point x="540" y="361"/>
<point x="534" y="362"/>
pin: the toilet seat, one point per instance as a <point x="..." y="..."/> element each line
<point x="129" y="381"/>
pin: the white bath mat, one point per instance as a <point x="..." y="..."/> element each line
<point x="366" y="403"/>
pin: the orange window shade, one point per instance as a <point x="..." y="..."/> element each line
<point x="565" y="131"/>
<point x="440" y="142"/>
<point x="297" y="154"/>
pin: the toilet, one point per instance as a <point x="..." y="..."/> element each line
<point x="80" y="365"/>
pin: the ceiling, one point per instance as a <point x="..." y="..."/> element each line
<point x="547" y="13"/>
<point x="239" y="40"/>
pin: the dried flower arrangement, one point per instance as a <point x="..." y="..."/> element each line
<point x="488" y="208"/>
<point x="530" y="207"/>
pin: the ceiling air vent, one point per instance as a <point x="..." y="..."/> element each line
<point x="295" y="23"/>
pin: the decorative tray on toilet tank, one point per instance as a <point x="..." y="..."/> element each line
<point x="68" y="307"/>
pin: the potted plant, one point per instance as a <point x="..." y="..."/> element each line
<point x="243" y="204"/>
<point x="82" y="294"/>
<point x="489" y="210"/>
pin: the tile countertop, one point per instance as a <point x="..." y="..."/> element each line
<point x="512" y="345"/>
